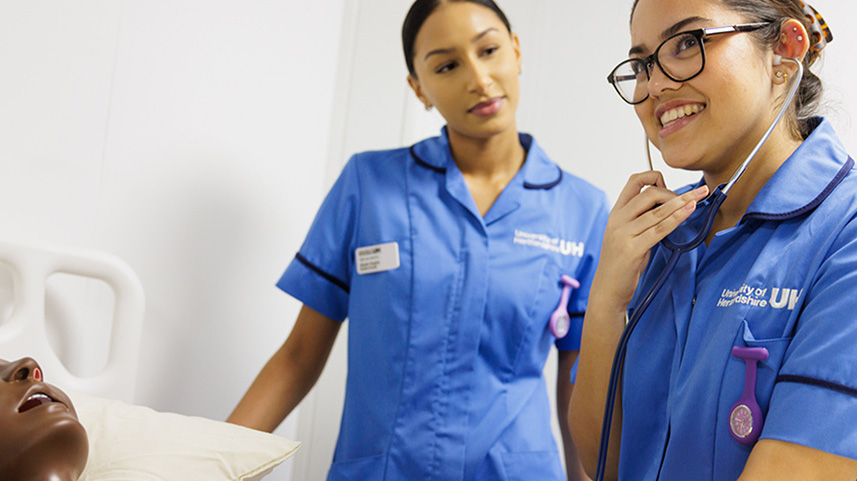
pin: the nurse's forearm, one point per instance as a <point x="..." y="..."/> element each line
<point x="564" y="389"/>
<point x="602" y="329"/>
<point x="290" y="373"/>
<point x="778" y="460"/>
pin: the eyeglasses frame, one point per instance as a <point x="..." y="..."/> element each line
<point x="700" y="34"/>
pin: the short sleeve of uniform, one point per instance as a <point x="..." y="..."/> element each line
<point x="597" y="220"/>
<point x="814" y="402"/>
<point x="319" y="274"/>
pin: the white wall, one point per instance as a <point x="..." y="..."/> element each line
<point x="188" y="138"/>
<point x="195" y="139"/>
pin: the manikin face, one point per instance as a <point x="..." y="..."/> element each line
<point x="467" y="66"/>
<point x="40" y="436"/>
<point x="734" y="94"/>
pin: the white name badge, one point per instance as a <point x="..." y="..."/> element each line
<point x="377" y="258"/>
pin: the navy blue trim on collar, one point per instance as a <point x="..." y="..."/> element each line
<point x="423" y="163"/>
<point x="545" y="186"/>
<point x="817" y="382"/>
<point x="329" y="277"/>
<point x="812" y="204"/>
<point x="538" y="171"/>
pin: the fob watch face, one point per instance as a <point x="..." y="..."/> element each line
<point x="741" y="421"/>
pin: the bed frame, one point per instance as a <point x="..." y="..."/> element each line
<point x="24" y="332"/>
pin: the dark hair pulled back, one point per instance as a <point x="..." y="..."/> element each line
<point x="421" y="10"/>
<point x="808" y="97"/>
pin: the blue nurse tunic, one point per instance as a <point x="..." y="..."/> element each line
<point x="446" y="350"/>
<point x="783" y="279"/>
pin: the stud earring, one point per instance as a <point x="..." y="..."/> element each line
<point x="779" y="74"/>
<point x="783" y="38"/>
<point x="428" y="107"/>
<point x="800" y="38"/>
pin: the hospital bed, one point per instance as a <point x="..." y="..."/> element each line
<point x="25" y="332"/>
<point x="127" y="442"/>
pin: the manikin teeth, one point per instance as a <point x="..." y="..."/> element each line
<point x="34" y="401"/>
<point x="679" y="112"/>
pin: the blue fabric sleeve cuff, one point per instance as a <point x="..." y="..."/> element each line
<point x="311" y="287"/>
<point x="813" y="416"/>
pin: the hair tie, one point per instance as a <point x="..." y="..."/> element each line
<point x="819" y="29"/>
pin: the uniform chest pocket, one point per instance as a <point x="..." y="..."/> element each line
<point x="735" y="378"/>
<point x="528" y="338"/>
<point x="768" y="369"/>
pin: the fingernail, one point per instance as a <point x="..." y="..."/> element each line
<point x="690" y="206"/>
<point x="702" y="191"/>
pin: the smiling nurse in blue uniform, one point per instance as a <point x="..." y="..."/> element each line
<point x="447" y="258"/>
<point x="745" y="363"/>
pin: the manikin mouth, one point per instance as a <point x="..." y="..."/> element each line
<point x="35" y="400"/>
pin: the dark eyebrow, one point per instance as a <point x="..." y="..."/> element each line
<point x="450" y="50"/>
<point x="669" y="32"/>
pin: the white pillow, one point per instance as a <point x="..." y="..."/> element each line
<point x="130" y="442"/>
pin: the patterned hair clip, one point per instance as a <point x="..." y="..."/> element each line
<point x="819" y="29"/>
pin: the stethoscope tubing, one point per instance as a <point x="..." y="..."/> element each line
<point x="618" y="359"/>
<point x="715" y="200"/>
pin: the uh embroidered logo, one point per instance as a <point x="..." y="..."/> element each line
<point x="762" y="297"/>
<point x="549" y="243"/>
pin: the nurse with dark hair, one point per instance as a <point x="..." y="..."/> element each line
<point x="449" y="258"/>
<point x="40" y="436"/>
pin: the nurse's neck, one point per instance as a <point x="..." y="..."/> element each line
<point x="487" y="157"/>
<point x="487" y="164"/>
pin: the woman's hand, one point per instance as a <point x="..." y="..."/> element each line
<point x="645" y="213"/>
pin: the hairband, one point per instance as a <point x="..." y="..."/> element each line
<point x="819" y="29"/>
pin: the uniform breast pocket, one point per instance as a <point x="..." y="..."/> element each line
<point x="767" y="369"/>
<point x="735" y="382"/>
<point x="531" y="337"/>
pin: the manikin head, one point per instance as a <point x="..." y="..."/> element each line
<point x="40" y="435"/>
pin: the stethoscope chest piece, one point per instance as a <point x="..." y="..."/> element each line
<point x="559" y="320"/>
<point x="745" y="417"/>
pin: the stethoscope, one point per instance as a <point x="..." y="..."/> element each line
<point x="745" y="418"/>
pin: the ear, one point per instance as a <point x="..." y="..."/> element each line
<point x="418" y="91"/>
<point x="516" y="45"/>
<point x="792" y="44"/>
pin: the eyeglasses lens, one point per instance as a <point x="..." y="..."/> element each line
<point x="680" y="57"/>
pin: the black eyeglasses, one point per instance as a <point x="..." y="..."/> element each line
<point x="680" y="57"/>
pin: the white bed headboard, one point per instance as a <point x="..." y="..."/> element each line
<point x="25" y="334"/>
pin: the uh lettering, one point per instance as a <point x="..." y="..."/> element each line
<point x="789" y="296"/>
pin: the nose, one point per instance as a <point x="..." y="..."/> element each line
<point x="20" y="370"/>
<point x="659" y="82"/>
<point x="480" y="77"/>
